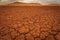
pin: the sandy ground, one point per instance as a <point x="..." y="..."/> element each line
<point x="29" y="23"/>
<point x="28" y="4"/>
<point x="22" y="4"/>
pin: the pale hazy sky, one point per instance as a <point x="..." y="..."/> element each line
<point x="41" y="1"/>
<point x="31" y="1"/>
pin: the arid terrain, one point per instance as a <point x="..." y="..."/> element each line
<point x="28" y="4"/>
<point x="29" y="23"/>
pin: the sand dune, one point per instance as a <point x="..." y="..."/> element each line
<point x="29" y="4"/>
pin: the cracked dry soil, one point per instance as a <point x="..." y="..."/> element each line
<point x="30" y="23"/>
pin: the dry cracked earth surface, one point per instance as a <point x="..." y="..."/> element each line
<point x="30" y="23"/>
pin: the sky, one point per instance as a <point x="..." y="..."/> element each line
<point x="43" y="2"/>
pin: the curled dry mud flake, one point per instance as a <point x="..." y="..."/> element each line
<point x="20" y="37"/>
<point x="58" y="36"/>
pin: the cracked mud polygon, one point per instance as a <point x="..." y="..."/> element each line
<point x="30" y="23"/>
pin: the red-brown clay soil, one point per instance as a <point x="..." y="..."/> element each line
<point x="30" y="23"/>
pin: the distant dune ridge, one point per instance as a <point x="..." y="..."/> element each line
<point x="43" y="2"/>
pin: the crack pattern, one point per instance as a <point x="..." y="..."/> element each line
<point x="25" y="23"/>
